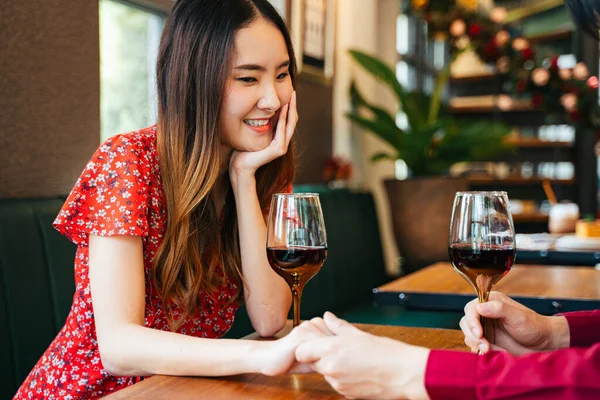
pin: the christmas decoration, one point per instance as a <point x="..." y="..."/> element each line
<point x="479" y="26"/>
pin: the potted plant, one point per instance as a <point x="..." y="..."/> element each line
<point x="430" y="144"/>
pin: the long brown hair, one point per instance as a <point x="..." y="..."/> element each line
<point x="193" y="64"/>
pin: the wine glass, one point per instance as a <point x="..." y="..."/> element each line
<point x="296" y="241"/>
<point x="481" y="243"/>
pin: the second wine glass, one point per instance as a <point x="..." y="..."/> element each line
<point x="481" y="243"/>
<point x="296" y="241"/>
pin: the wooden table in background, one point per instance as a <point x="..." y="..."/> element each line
<point x="256" y="386"/>
<point x="546" y="289"/>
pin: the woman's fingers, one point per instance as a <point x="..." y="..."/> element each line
<point x="319" y="324"/>
<point x="301" y="368"/>
<point x="312" y="351"/>
<point x="292" y="118"/>
<point x="280" y="133"/>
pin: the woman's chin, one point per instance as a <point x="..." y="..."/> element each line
<point x="252" y="147"/>
<point x="260" y="143"/>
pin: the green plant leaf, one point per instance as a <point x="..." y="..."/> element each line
<point x="356" y="98"/>
<point x="385" y="74"/>
<point x="383" y="156"/>
<point x="440" y="81"/>
<point x="472" y="141"/>
<point x="421" y="145"/>
<point x="390" y="134"/>
<point x="380" y="114"/>
<point x="435" y="140"/>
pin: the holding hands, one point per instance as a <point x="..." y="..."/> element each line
<point x="360" y="365"/>
<point x="280" y="355"/>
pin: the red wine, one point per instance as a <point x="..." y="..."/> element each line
<point x="297" y="264"/>
<point x="483" y="267"/>
<point x="488" y="260"/>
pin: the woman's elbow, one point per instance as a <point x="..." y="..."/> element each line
<point x="113" y="361"/>
<point x="271" y="326"/>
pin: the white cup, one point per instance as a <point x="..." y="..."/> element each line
<point x="563" y="218"/>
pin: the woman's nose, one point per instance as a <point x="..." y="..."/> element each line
<point x="269" y="100"/>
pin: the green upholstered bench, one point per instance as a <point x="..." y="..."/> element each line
<point x="37" y="283"/>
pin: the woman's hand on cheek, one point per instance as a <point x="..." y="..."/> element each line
<point x="246" y="163"/>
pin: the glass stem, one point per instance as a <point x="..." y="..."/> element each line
<point x="486" y="323"/>
<point x="296" y="297"/>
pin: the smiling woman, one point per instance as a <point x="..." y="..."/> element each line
<point x="169" y="219"/>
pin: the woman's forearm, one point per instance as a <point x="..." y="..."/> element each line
<point x="267" y="296"/>
<point x="134" y="350"/>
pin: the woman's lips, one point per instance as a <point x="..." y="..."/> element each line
<point x="261" y="129"/>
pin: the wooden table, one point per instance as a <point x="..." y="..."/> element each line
<point x="546" y="289"/>
<point x="256" y="386"/>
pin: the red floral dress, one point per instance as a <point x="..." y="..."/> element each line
<point x="118" y="193"/>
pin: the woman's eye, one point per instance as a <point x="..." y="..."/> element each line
<point x="247" y="79"/>
<point x="283" y="75"/>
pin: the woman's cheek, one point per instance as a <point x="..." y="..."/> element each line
<point x="285" y="94"/>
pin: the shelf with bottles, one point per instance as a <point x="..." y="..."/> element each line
<point x="516" y="180"/>
<point x="561" y="34"/>
<point x="484" y="76"/>
<point x="544" y="136"/>
<point x="537" y="143"/>
<point x="488" y="103"/>
<point x="529" y="211"/>
<point x="530" y="217"/>
<point x="516" y="173"/>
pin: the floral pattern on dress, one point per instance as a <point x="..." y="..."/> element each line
<point x="118" y="193"/>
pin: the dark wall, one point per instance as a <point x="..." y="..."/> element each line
<point x="49" y="94"/>
<point x="585" y="140"/>
<point x="314" y="139"/>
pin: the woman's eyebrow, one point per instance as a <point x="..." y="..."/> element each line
<point x="256" y="67"/>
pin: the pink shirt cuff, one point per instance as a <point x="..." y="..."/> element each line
<point x="451" y="375"/>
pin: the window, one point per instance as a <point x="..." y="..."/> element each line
<point x="420" y="58"/>
<point x="129" y="40"/>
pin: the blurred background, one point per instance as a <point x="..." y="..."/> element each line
<point x="490" y="95"/>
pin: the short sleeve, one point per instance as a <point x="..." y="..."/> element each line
<point x="111" y="195"/>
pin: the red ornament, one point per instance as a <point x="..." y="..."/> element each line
<point x="474" y="29"/>
<point x="521" y="86"/>
<point x="536" y="100"/>
<point x="554" y="62"/>
<point x="527" y="54"/>
<point x="593" y="82"/>
<point x="491" y="50"/>
<point x="574" y="116"/>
